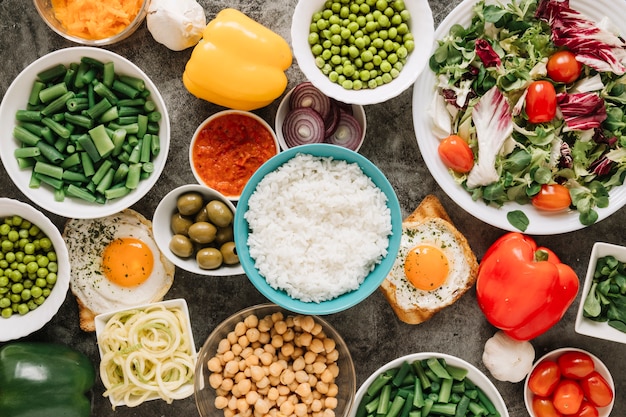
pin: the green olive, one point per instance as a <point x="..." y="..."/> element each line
<point x="181" y="246"/>
<point x="190" y="203"/>
<point x="224" y="234"/>
<point x="202" y="232"/>
<point x="180" y="224"/>
<point x="229" y="253"/>
<point x="219" y="213"/>
<point x="202" y="215"/>
<point x="209" y="258"/>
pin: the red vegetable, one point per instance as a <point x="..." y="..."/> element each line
<point x="543" y="407"/>
<point x="568" y="396"/>
<point x="582" y="111"/>
<point x="307" y="95"/>
<point x="544" y="378"/>
<point x="552" y="197"/>
<point x="597" y="389"/>
<point x="563" y="67"/>
<point x="348" y="133"/>
<point x="575" y="365"/>
<point x="540" y="102"/>
<point x="456" y="154"/>
<point x="487" y="55"/>
<point x="587" y="410"/>
<point x="302" y="126"/>
<point x="523" y="289"/>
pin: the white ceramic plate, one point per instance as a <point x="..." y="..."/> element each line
<point x="101" y="321"/>
<point x="16" y="98"/>
<point x="19" y="326"/>
<point x="422" y="28"/>
<point x="583" y="325"/>
<point x="475" y="375"/>
<point x="541" y="223"/>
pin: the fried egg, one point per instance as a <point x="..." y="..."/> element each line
<point x="115" y="262"/>
<point x="432" y="268"/>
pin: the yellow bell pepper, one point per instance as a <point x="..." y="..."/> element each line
<point x="238" y="63"/>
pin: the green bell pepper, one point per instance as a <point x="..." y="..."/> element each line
<point x="44" y="380"/>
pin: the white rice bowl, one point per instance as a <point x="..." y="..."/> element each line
<point x="318" y="227"/>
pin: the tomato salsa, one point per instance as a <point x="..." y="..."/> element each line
<point x="229" y="149"/>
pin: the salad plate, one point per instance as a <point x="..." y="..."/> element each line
<point x="539" y="222"/>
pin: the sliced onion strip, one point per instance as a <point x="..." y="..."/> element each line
<point x="348" y="133"/>
<point x="302" y="126"/>
<point x="306" y="94"/>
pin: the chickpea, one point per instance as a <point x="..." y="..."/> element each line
<point x="214" y="365"/>
<point x="300" y="410"/>
<point x="215" y="380"/>
<point x="221" y="402"/>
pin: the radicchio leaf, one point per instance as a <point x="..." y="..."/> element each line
<point x="492" y="118"/>
<point x="581" y="111"/>
<point x="593" y="46"/>
<point x="487" y="55"/>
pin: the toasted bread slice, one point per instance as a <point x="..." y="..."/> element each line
<point x="430" y="213"/>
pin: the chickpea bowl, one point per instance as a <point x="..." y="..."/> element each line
<point x="315" y="372"/>
<point x="193" y="227"/>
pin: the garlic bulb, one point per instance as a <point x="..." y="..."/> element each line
<point x="177" y="24"/>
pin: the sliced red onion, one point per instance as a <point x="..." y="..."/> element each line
<point x="306" y="94"/>
<point x="332" y="120"/>
<point x="302" y="126"/>
<point x="348" y="133"/>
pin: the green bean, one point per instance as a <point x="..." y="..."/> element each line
<point x="28" y="115"/>
<point x="25" y="136"/>
<point x="57" y="104"/>
<point x="82" y="193"/>
<point x="52" y="73"/>
<point x="27" y="152"/>
<point x="132" y="179"/>
<point x="50" y="152"/>
<point x="125" y="89"/>
<point x="54" y="91"/>
<point x="33" y="98"/>
<point x="71" y="161"/>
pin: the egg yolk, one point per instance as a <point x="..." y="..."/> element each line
<point x="426" y="267"/>
<point x="127" y="262"/>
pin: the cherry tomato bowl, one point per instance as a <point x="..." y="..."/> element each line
<point x="571" y="363"/>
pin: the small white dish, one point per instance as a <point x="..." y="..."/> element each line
<point x="600" y="367"/>
<point x="163" y="233"/>
<point x="583" y="325"/>
<point x="101" y="321"/>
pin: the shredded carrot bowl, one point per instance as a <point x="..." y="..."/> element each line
<point x="93" y="23"/>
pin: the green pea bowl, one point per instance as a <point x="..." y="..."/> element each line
<point x="24" y="321"/>
<point x="319" y="57"/>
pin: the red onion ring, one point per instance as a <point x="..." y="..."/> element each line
<point x="302" y="126"/>
<point x="348" y="133"/>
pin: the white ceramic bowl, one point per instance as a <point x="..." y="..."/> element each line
<point x="101" y="320"/>
<point x="205" y="395"/>
<point x="421" y="26"/>
<point x="541" y="222"/>
<point x="252" y="156"/>
<point x="16" y="98"/>
<point x="19" y="326"/>
<point x="358" y="112"/>
<point x="46" y="11"/>
<point x="599" y="365"/>
<point x="584" y="325"/>
<point x="474" y="375"/>
<point x="163" y="232"/>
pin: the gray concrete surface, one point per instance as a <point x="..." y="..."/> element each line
<point x="371" y="329"/>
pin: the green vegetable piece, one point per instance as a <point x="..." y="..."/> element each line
<point x="591" y="306"/>
<point x="44" y="379"/>
<point x="401" y="374"/>
<point x="101" y="140"/>
<point x="438" y="369"/>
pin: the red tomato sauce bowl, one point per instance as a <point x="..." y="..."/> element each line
<point x="228" y="147"/>
<point x="574" y="371"/>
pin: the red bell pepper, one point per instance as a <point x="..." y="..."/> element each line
<point x="523" y="289"/>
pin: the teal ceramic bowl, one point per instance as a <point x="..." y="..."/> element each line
<point x="376" y="276"/>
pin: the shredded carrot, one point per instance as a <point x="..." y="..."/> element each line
<point x="89" y="19"/>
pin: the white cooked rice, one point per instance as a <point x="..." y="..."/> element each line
<point x="318" y="226"/>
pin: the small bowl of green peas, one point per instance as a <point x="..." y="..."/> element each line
<point x="431" y="383"/>
<point x="362" y="51"/>
<point x="86" y="132"/>
<point x="34" y="269"/>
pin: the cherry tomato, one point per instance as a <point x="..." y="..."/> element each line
<point x="596" y="389"/>
<point x="456" y="154"/>
<point x="543" y="407"/>
<point x="567" y="397"/>
<point x="544" y="378"/>
<point x="563" y="67"/>
<point x="540" y="102"/>
<point x="552" y="197"/>
<point x="575" y="364"/>
<point x="587" y="410"/>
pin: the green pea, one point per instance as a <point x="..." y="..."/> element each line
<point x="364" y="8"/>
<point x="22" y="309"/>
<point x="51" y="278"/>
<point x="5" y="229"/>
<point x="7" y="312"/>
<point x="41" y="282"/>
<point x="347" y="84"/>
<point x="10" y="257"/>
<point x="4" y="281"/>
<point x="39" y="300"/>
<point x="5" y="302"/>
<point x="367" y="56"/>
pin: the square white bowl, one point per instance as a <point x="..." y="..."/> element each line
<point x="101" y="320"/>
<point x="583" y="325"/>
